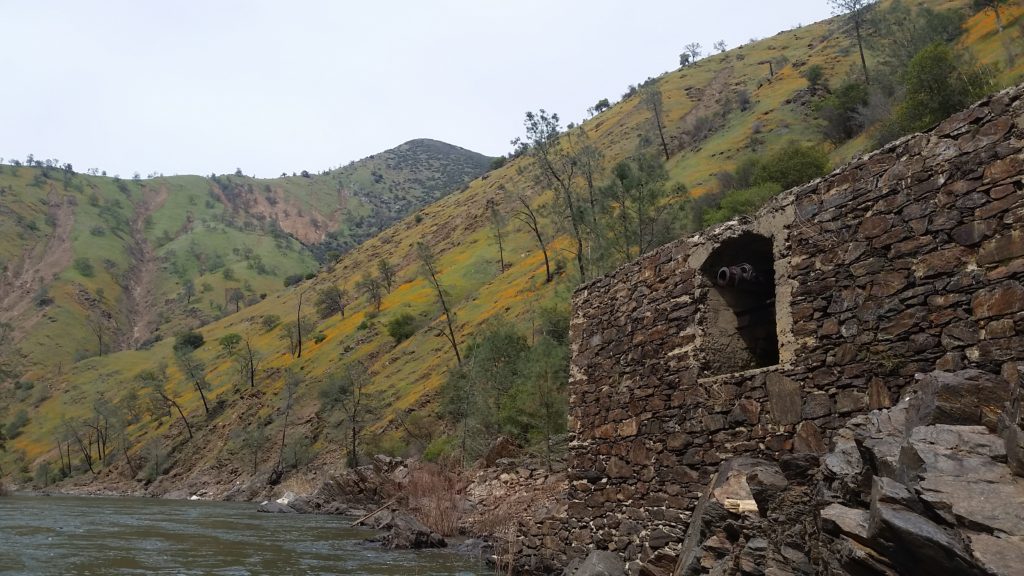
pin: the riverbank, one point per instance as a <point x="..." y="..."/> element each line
<point x="497" y="504"/>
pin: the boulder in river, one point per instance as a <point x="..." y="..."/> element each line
<point x="405" y="531"/>
<point x="273" y="507"/>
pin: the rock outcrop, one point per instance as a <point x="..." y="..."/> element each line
<point x="933" y="495"/>
<point x="404" y="531"/>
<point x="922" y="487"/>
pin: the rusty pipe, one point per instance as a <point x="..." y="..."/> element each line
<point x="734" y="276"/>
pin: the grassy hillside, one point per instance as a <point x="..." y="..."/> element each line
<point x="707" y="131"/>
<point x="131" y="261"/>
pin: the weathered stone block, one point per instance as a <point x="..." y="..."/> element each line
<point x="745" y="412"/>
<point x="808" y="439"/>
<point x="873" y="227"/>
<point x="940" y="262"/>
<point x="1003" y="169"/>
<point x="784" y="399"/>
<point x="971" y="233"/>
<point x="618" y="468"/>
<point x="1004" y="298"/>
<point x="816" y="405"/>
<point x="1004" y="247"/>
<point x="848" y="401"/>
<point x="878" y="395"/>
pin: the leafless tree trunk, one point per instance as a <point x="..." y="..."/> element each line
<point x="498" y="221"/>
<point x="428" y="260"/>
<point x="127" y="457"/>
<point x="84" y="445"/>
<point x="194" y="371"/>
<point x="529" y="217"/>
<point x="652" y="97"/>
<point x="298" y="325"/>
<point x="251" y="362"/>
<point x="291" y="383"/>
<point x="170" y="401"/>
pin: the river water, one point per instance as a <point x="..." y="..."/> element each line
<point x="74" y="535"/>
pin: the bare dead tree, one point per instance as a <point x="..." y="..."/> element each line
<point x="83" y="442"/>
<point x="527" y="216"/>
<point x="248" y="362"/>
<point x="298" y="324"/>
<point x="652" y="99"/>
<point x="429" y="263"/>
<point x="195" y="371"/>
<point x="856" y="12"/>
<point x="156" y="382"/>
<point x="292" y="380"/>
<point x="498" y="222"/>
<point x="98" y="328"/>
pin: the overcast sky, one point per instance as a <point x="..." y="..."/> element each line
<point x="194" y="87"/>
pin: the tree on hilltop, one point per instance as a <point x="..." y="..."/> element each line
<point x="856" y="12"/>
<point x="691" y="52"/>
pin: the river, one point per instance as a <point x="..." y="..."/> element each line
<point x="76" y="535"/>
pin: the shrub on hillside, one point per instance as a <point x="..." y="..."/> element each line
<point x="792" y="165"/>
<point x="739" y="202"/>
<point x="402" y="327"/>
<point x="188" y="341"/>
<point x="84" y="267"/>
<point x="814" y="75"/>
<point x="229" y="342"/>
<point x="292" y="279"/>
<point x="842" y="111"/>
<point x="270" y="321"/>
<point x="439" y="448"/>
<point x="14" y="427"/>
<point x="939" y="83"/>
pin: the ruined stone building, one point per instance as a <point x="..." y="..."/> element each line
<point x="736" y="368"/>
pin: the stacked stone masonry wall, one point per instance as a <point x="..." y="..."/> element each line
<point x="907" y="260"/>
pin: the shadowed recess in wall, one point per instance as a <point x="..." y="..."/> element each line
<point x="739" y="323"/>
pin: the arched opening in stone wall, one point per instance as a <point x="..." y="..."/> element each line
<point x="739" y="323"/>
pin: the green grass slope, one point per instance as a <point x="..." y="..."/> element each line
<point x="85" y="258"/>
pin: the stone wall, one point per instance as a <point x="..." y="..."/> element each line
<point x="908" y="260"/>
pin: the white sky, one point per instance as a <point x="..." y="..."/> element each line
<point x="194" y="87"/>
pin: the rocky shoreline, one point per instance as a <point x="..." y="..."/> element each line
<point x="487" y="512"/>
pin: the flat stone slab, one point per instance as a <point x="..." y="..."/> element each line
<point x="1003" y="556"/>
<point x="839" y="519"/>
<point x="977" y="504"/>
